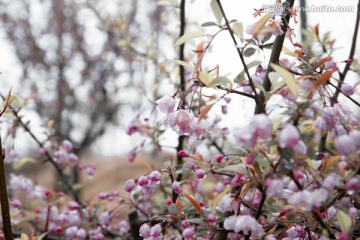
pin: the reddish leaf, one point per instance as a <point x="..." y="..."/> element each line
<point x="322" y="61"/>
<point x="324" y="77"/>
<point x="205" y="111"/>
<point x="194" y="203"/>
<point x="178" y="205"/>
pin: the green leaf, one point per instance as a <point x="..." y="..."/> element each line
<point x="240" y="77"/>
<point x="209" y="24"/>
<point x="182" y="63"/>
<point x="344" y="221"/>
<point x="188" y="36"/>
<point x="41" y="236"/>
<point x="288" y="78"/>
<point x="253" y="64"/>
<point x="216" y="11"/>
<point x="205" y="78"/>
<point x="240" y="168"/>
<point x="249" y="52"/>
<point x="238" y="29"/>
<point x="221" y="81"/>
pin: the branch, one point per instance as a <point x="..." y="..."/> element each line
<point x="274" y="57"/>
<point x="181" y="139"/>
<point x="5" y="212"/>
<point x="259" y="101"/>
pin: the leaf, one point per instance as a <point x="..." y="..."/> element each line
<point x="240" y="168"/>
<point x="253" y="64"/>
<point x="188" y="36"/>
<point x="205" y="78"/>
<point x="261" y="23"/>
<point x="238" y="29"/>
<point x="205" y="111"/>
<point x="344" y="221"/>
<point x="322" y="61"/>
<point x="324" y="77"/>
<point x="178" y="205"/>
<point x="288" y="78"/>
<point x="41" y="236"/>
<point x="219" y="197"/>
<point x="216" y="11"/>
<point x="8" y="101"/>
<point x="194" y="203"/>
<point x="221" y="81"/>
<point x="23" y="161"/>
<point x="182" y="63"/>
<point x="24" y="236"/>
<point x="209" y="24"/>
<point x="249" y="52"/>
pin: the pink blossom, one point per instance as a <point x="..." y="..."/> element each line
<point x="105" y="219"/>
<point x="345" y="145"/>
<point x="353" y="184"/>
<point x="102" y="196"/>
<point x="274" y="26"/>
<point x="290" y="137"/>
<point x="245" y="224"/>
<point x="306" y="200"/>
<point x="155" y="231"/>
<point x="274" y="188"/>
<point x="145" y="230"/>
<point x="166" y="104"/>
<point x="68" y="146"/>
<point x="219" y="158"/>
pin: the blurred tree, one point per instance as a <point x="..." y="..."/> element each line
<point x="79" y="56"/>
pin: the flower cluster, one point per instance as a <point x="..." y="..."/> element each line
<point x="260" y="126"/>
<point x="181" y="121"/>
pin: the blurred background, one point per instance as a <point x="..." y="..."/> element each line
<point x="91" y="67"/>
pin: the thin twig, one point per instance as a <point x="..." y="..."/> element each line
<point x="258" y="99"/>
<point x="351" y="55"/>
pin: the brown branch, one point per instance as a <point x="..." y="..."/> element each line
<point x="181" y="139"/>
<point x="5" y="212"/>
<point x="274" y="58"/>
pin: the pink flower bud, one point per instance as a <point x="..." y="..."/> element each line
<point x="219" y="158"/>
<point x="182" y="153"/>
<point x="185" y="224"/>
<point x="200" y="174"/>
<point x="211" y="218"/>
<point x="176" y="187"/>
<point x="42" y="151"/>
<point x="143" y="180"/>
<point x="58" y="230"/>
<point x="347" y="89"/>
<point x="188" y="233"/>
<point x="129" y="185"/>
<point x="68" y="146"/>
<point x="155" y="176"/>
<point x="102" y="196"/>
